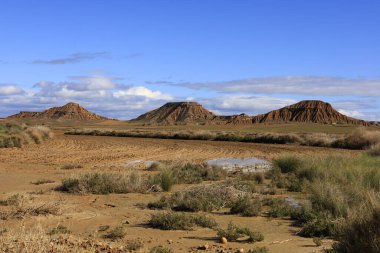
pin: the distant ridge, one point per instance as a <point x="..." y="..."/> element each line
<point x="307" y="111"/>
<point x="177" y="113"/>
<point x="70" y="111"/>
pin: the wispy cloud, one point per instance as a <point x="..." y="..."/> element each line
<point x="301" y="85"/>
<point x="74" y="58"/>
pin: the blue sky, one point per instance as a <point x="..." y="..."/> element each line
<point x="122" y="58"/>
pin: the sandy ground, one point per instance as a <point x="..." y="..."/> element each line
<point x="84" y="214"/>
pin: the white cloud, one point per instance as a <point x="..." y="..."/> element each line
<point x="353" y="114"/>
<point x="142" y="92"/>
<point x="10" y="90"/>
<point x="252" y="105"/>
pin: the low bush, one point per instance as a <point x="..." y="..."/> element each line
<point x="179" y="221"/>
<point x="278" y="208"/>
<point x="196" y="173"/>
<point x="105" y="183"/>
<point x="165" y="179"/>
<point x="135" y="245"/>
<point x="12" y="135"/>
<point x="116" y="233"/>
<point x="19" y="206"/>
<point x="234" y="233"/>
<point x="205" y="198"/>
<point x="360" y="233"/>
<point x="246" y="206"/>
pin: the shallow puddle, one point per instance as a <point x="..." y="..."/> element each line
<point x="250" y="164"/>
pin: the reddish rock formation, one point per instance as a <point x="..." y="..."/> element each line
<point x="177" y="113"/>
<point x="70" y="111"/>
<point x="313" y="111"/>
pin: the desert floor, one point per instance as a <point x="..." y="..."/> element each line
<point x="83" y="214"/>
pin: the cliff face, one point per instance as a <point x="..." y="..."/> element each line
<point x="177" y="112"/>
<point x="70" y="111"/>
<point x="313" y="111"/>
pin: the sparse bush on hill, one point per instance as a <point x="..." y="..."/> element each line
<point x="16" y="136"/>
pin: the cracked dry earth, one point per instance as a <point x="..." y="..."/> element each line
<point x="84" y="214"/>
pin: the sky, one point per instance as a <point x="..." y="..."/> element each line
<point x="123" y="58"/>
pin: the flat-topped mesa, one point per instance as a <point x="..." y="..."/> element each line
<point x="70" y="111"/>
<point x="177" y="112"/>
<point x="308" y="111"/>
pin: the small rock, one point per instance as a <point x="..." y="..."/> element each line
<point x="204" y="247"/>
<point x="240" y="251"/>
<point x="223" y="240"/>
<point x="170" y="241"/>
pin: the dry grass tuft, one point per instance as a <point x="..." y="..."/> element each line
<point x="19" y="206"/>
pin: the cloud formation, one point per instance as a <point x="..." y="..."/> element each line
<point x="9" y="89"/>
<point x="301" y="85"/>
<point x="74" y="58"/>
<point x="106" y="96"/>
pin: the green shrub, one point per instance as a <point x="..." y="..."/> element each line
<point x="166" y="180"/>
<point x="105" y="183"/>
<point x="179" y="221"/>
<point x="204" y="198"/>
<point x="246" y="206"/>
<point x="234" y="233"/>
<point x="196" y="173"/>
<point x="278" y="208"/>
<point x="287" y="163"/>
<point x="116" y="233"/>
<point x="360" y="233"/>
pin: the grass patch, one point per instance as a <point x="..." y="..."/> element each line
<point x="179" y="221"/>
<point x="205" y="198"/>
<point x="12" y="135"/>
<point x="60" y="229"/>
<point x="246" y="206"/>
<point x="116" y="233"/>
<point x="233" y="233"/>
<point x="105" y="183"/>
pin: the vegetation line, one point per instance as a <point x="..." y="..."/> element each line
<point x="359" y="139"/>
